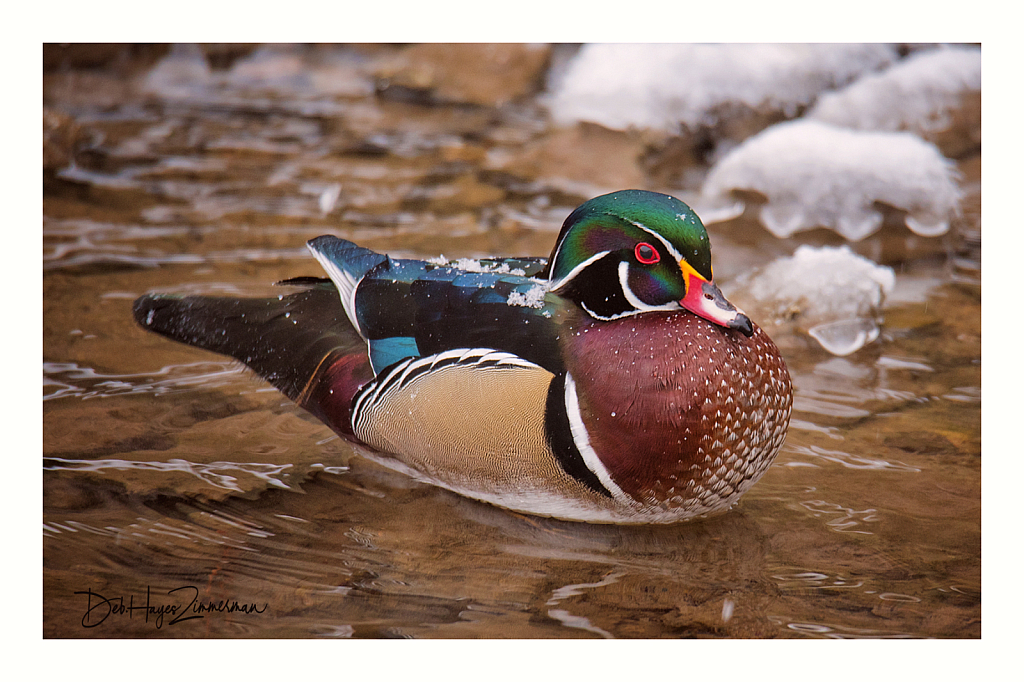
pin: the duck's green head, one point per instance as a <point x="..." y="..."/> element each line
<point x="634" y="251"/>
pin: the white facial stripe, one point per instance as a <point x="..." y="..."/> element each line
<point x="558" y="284"/>
<point x="668" y="245"/>
<point x="582" y="441"/>
<point x="632" y="298"/>
<point x="554" y="285"/>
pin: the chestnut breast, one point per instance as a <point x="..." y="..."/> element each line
<point x="679" y="408"/>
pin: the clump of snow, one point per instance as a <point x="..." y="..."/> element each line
<point x="474" y="265"/>
<point x="815" y="174"/>
<point x="662" y="86"/>
<point x="833" y="293"/>
<point x="533" y="298"/>
<point x="822" y="282"/>
<point x="471" y="265"/>
<point x="916" y="94"/>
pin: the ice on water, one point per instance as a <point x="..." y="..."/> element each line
<point x="815" y="174"/>
<point x="661" y="86"/>
<point x="843" y="337"/>
<point x="831" y="292"/>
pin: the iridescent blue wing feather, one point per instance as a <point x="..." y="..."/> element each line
<point x="410" y="308"/>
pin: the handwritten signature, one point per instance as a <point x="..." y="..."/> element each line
<point x="99" y="608"/>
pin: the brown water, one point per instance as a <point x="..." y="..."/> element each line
<point x="166" y="467"/>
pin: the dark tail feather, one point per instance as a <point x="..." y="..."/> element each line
<point x="302" y="343"/>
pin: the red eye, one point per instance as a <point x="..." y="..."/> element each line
<point x="646" y="254"/>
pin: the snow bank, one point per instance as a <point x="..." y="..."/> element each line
<point x="832" y="293"/>
<point x="663" y="86"/>
<point x="917" y="94"/>
<point x="815" y="174"/>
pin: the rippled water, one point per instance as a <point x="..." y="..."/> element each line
<point x="167" y="468"/>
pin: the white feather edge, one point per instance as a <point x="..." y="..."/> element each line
<point x="345" y="283"/>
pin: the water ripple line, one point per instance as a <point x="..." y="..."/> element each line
<point x="838" y="632"/>
<point x="848" y="522"/>
<point x="217" y="474"/>
<point x="851" y="461"/>
<point x="69" y="380"/>
<point x="579" y="622"/>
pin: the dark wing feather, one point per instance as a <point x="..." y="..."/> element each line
<point x="444" y="308"/>
<point x="286" y="339"/>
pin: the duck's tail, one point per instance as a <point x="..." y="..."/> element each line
<point x="302" y="343"/>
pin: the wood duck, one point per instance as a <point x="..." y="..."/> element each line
<point x="610" y="383"/>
